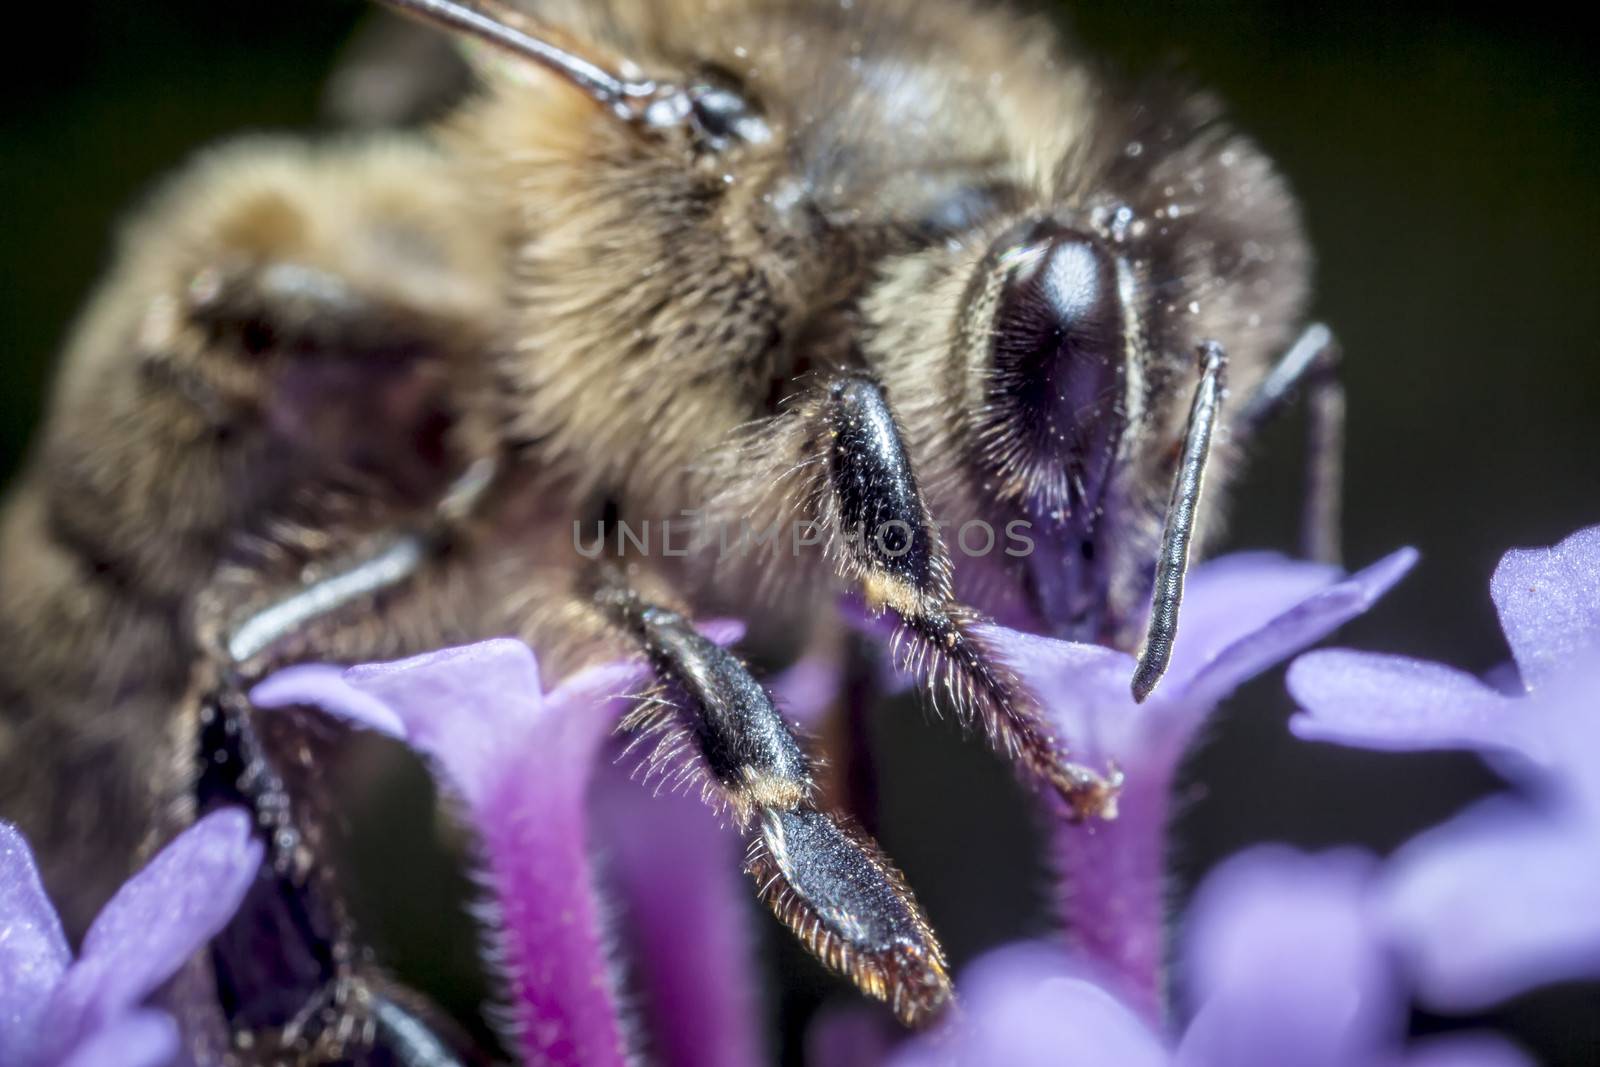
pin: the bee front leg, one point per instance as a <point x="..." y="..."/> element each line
<point x="825" y="880"/>
<point x="856" y="485"/>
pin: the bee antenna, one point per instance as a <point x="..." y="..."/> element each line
<point x="522" y="35"/>
<point x="1173" y="561"/>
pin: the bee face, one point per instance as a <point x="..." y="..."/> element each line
<point x="1050" y="381"/>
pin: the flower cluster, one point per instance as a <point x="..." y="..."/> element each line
<point x="1282" y="957"/>
<point x="1502" y="897"/>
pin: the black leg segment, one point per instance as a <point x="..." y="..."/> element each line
<point x="883" y="540"/>
<point x="826" y="881"/>
<point x="1173" y="563"/>
<point x="293" y="983"/>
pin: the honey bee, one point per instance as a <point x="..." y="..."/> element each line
<point x="881" y="268"/>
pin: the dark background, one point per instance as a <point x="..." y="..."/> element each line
<point x="1448" y="167"/>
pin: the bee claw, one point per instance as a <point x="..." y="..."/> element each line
<point x="1089" y="795"/>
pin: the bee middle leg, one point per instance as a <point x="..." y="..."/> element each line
<point x="293" y="981"/>
<point x="855" y="484"/>
<point x="824" y="879"/>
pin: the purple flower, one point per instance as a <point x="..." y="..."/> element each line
<point x="88" y="1012"/>
<point x="1501" y="898"/>
<point x="1243" y="614"/>
<point x="1280" y="959"/>
<point x="531" y="770"/>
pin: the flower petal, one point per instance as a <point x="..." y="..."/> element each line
<point x="324" y="686"/>
<point x="1282" y="957"/>
<point x="522" y="761"/>
<point x="1301" y="624"/>
<point x="1497" y="901"/>
<point x="1467" y="1050"/>
<point x="522" y="764"/>
<point x="1549" y="604"/>
<point x="848" y="1036"/>
<point x="1083" y="688"/>
<point x="33" y="950"/>
<point x="155" y="922"/>
<point x="1027" y="1006"/>
<point x="1400" y="704"/>
<point x="460" y="705"/>
<point x="1231" y="597"/>
<point x="806" y="691"/>
<point x="138" y="1039"/>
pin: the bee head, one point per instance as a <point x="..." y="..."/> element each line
<point x="1051" y="378"/>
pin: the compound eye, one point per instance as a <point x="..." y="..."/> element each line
<point x="724" y="117"/>
<point x="961" y="209"/>
<point x="1058" y="376"/>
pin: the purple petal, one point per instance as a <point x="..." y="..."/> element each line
<point x="1229" y="598"/>
<point x="1496" y="901"/>
<point x="1466" y="1050"/>
<point x="521" y="762"/>
<point x="1110" y="875"/>
<point x="807" y="690"/>
<point x="1400" y="704"/>
<point x="1084" y="689"/>
<point x="1282" y="958"/>
<point x="155" y="922"/>
<point x="33" y="951"/>
<point x="463" y="706"/>
<point x="723" y="631"/>
<point x="1281" y="607"/>
<point x="1027" y="1006"/>
<point x="683" y="905"/>
<point x="1303" y="624"/>
<point x="324" y="686"/>
<point x="1549" y="604"/>
<point x="522" y="766"/>
<point x="138" y="1039"/>
<point x="1248" y="612"/>
<point x="849" y="1036"/>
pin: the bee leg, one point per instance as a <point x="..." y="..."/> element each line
<point x="884" y="542"/>
<point x="1313" y="363"/>
<point x="861" y="491"/>
<point x="289" y="973"/>
<point x="291" y="979"/>
<point x="825" y="880"/>
<point x="1172" y="562"/>
<point x="281" y="966"/>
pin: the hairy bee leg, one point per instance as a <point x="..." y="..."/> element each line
<point x="1172" y="564"/>
<point x="1312" y="362"/>
<point x="827" y="882"/>
<point x="884" y="541"/>
<point x="306" y="988"/>
<point x="265" y="984"/>
<point x="291" y="979"/>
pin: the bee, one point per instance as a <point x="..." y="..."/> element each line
<point x="887" y="270"/>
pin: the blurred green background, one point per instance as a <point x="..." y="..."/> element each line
<point x="1447" y="162"/>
